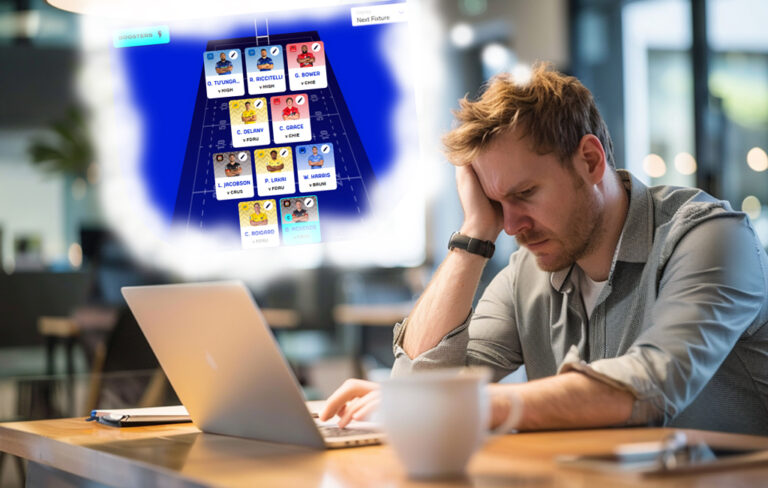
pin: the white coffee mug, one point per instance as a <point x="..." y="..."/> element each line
<point x="435" y="420"/>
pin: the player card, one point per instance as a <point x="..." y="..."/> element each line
<point x="266" y="69"/>
<point x="274" y="171"/>
<point x="249" y="122"/>
<point x="300" y="220"/>
<point x="258" y="224"/>
<point x="223" y="73"/>
<point x="232" y="175"/>
<point x="316" y="167"/>
<point x="306" y="65"/>
<point x="290" y="118"/>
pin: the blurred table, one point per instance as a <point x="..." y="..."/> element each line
<point x="281" y="318"/>
<point x="363" y="316"/>
<point x="72" y="450"/>
<point x="378" y="315"/>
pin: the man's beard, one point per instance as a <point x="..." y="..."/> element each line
<point x="579" y="238"/>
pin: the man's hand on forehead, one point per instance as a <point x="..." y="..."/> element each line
<point x="482" y="217"/>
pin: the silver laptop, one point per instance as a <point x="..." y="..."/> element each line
<point x="224" y="363"/>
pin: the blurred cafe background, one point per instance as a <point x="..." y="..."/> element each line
<point x="682" y="85"/>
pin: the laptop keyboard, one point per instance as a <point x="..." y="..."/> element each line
<point x="337" y="432"/>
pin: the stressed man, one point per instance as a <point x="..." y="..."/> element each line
<point x="627" y="304"/>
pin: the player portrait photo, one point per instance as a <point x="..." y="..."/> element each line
<point x="300" y="220"/>
<point x="231" y="164"/>
<point x="273" y="163"/>
<point x="264" y="62"/>
<point x="223" y="73"/>
<point x="299" y="209"/>
<point x="247" y="111"/>
<point x="306" y="55"/>
<point x="274" y="160"/>
<point x="290" y="118"/>
<point x="306" y="65"/>
<point x="289" y="107"/>
<point x="233" y="175"/>
<point x="315" y="159"/>
<point x="223" y="65"/>
<point x="259" y="216"/>
<point x="266" y="69"/>
<point x="290" y="111"/>
<point x="249" y="122"/>
<point x="305" y="59"/>
<point x="233" y="167"/>
<point x="315" y="156"/>
<point x="249" y="114"/>
<point x="258" y="224"/>
<point x="316" y="167"/>
<point x="274" y="171"/>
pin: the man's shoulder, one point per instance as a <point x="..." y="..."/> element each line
<point x="677" y="210"/>
<point x="675" y="201"/>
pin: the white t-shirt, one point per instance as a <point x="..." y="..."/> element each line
<point x="590" y="290"/>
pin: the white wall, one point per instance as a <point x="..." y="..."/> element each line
<point x="31" y="201"/>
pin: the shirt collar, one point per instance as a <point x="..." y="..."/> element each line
<point x="636" y="235"/>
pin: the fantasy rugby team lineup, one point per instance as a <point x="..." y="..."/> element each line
<point x="273" y="166"/>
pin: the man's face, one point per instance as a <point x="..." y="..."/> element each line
<point x="247" y="105"/>
<point x="314" y="151"/>
<point x="303" y="49"/>
<point x="550" y="208"/>
<point x="263" y="53"/>
<point x="299" y="205"/>
<point x="223" y="56"/>
<point x="257" y="208"/>
<point x="231" y="158"/>
<point x="289" y="102"/>
<point x="273" y="155"/>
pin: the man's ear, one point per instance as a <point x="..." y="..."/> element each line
<point x="591" y="155"/>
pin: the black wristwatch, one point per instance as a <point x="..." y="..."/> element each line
<point x="470" y="244"/>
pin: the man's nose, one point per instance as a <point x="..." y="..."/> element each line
<point x="515" y="220"/>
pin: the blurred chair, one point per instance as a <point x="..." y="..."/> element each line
<point x="24" y="297"/>
<point x="125" y="371"/>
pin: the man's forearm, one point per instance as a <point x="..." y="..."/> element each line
<point x="570" y="401"/>
<point x="445" y="303"/>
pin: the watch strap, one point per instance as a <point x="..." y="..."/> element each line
<point x="471" y="245"/>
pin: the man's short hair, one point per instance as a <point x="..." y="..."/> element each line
<point x="554" y="110"/>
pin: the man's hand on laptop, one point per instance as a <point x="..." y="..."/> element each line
<point x="357" y="399"/>
<point x="354" y="400"/>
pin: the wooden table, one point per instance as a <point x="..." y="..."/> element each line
<point x="180" y="455"/>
